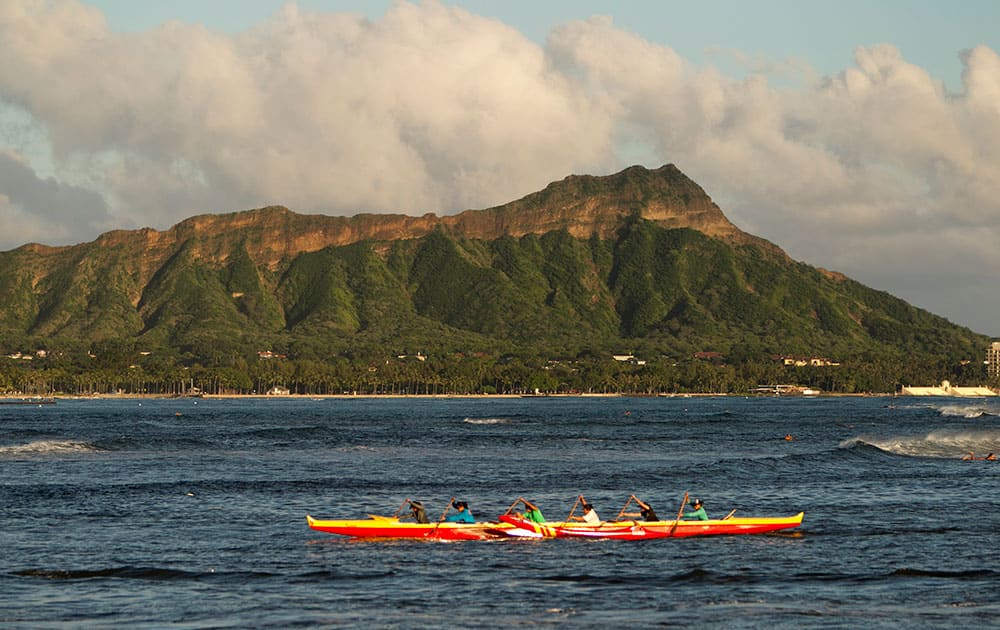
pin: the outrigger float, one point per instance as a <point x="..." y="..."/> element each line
<point x="513" y="525"/>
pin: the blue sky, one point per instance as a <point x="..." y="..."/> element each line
<point x="929" y="33"/>
<point x="858" y="136"/>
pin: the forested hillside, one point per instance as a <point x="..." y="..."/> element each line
<point x="535" y="295"/>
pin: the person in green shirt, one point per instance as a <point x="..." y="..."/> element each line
<point x="531" y="512"/>
<point x="698" y="514"/>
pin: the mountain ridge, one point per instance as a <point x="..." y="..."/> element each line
<point x="581" y="204"/>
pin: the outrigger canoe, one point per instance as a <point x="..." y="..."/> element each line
<point x="642" y="530"/>
<point x="391" y="527"/>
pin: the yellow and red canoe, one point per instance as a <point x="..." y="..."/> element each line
<point x="391" y="527"/>
<point x="643" y="530"/>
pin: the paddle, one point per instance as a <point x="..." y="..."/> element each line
<point x="625" y="507"/>
<point x="401" y="506"/>
<point x="679" y="512"/>
<point x="570" y="517"/>
<point x="513" y="505"/>
<point x="441" y="520"/>
<point x="728" y="516"/>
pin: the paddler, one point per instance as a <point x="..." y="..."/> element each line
<point x="647" y="514"/>
<point x="417" y="511"/>
<point x="462" y="515"/>
<point x="531" y="512"/>
<point x="698" y="513"/>
<point x="589" y="513"/>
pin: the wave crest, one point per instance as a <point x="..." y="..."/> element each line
<point x="941" y="444"/>
<point x="48" y="447"/>
<point x="967" y="411"/>
<point x="486" y="420"/>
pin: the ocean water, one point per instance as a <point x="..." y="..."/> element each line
<point x="191" y="512"/>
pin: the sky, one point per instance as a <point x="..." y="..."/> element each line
<point x="861" y="137"/>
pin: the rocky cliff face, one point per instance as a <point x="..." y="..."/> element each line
<point x="585" y="204"/>
<point x="581" y="204"/>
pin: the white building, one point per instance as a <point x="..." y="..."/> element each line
<point x="993" y="360"/>
<point x="947" y="389"/>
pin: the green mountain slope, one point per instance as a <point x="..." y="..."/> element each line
<point x="641" y="262"/>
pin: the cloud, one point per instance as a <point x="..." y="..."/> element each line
<point x="44" y="210"/>
<point x="877" y="171"/>
<point x="430" y="108"/>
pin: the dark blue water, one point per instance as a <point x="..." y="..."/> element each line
<point x="191" y="513"/>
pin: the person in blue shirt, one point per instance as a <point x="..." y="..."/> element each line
<point x="698" y="514"/>
<point x="463" y="514"/>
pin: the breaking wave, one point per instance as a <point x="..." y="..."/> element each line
<point x="48" y="447"/>
<point x="968" y="411"/>
<point x="940" y="444"/>
<point x="486" y="420"/>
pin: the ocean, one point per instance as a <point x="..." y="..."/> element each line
<point x="191" y="513"/>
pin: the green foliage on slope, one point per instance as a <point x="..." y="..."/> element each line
<point x="484" y="314"/>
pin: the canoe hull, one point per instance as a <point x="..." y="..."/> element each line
<point x="390" y="527"/>
<point x="644" y="530"/>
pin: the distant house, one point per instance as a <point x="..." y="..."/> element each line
<point x="278" y="391"/>
<point x="787" y="390"/>
<point x="709" y="356"/>
<point x="804" y="361"/>
<point x="628" y="358"/>
<point x="267" y="354"/>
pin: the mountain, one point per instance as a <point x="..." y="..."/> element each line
<point x="641" y="261"/>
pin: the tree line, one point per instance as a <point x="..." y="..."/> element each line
<point x="460" y="374"/>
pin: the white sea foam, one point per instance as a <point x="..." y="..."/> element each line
<point x="486" y="420"/>
<point x="46" y="447"/>
<point x="943" y="443"/>
<point x="967" y="411"/>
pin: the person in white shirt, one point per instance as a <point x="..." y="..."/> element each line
<point x="589" y="513"/>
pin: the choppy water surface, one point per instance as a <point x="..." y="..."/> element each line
<point x="191" y="512"/>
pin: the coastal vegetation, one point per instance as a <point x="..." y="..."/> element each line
<point x="457" y="374"/>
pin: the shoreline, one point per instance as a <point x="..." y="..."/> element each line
<point x="54" y="397"/>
